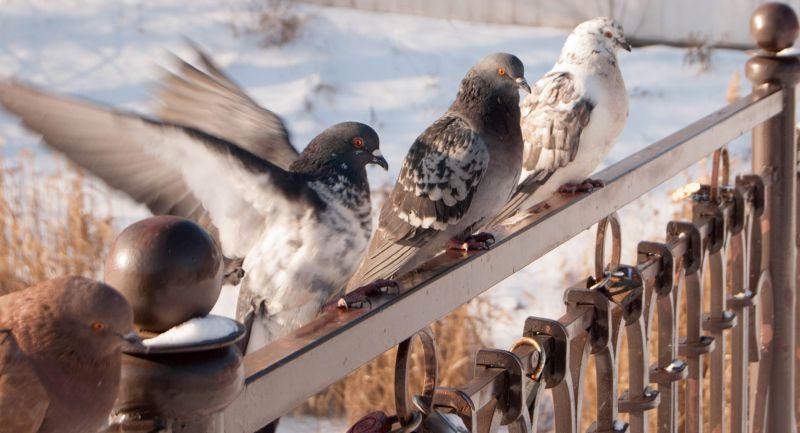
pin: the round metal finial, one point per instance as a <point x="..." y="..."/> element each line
<point x="774" y="26"/>
<point x="169" y="269"/>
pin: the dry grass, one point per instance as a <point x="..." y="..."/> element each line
<point x="458" y="337"/>
<point x="48" y="223"/>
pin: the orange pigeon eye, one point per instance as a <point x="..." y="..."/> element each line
<point x="501" y="72"/>
<point x="98" y="326"/>
<point x="358" y="142"/>
<point x="608" y="34"/>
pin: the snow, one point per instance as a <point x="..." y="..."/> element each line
<point x="397" y="73"/>
<point x="196" y="330"/>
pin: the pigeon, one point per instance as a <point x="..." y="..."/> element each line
<point x="298" y="233"/>
<point x="60" y="353"/>
<point x="458" y="173"/>
<point x="573" y="116"/>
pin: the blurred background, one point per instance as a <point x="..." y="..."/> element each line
<point x="394" y="64"/>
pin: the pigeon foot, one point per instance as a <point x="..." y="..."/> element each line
<point x="361" y="297"/>
<point x="477" y="242"/>
<point x="587" y="185"/>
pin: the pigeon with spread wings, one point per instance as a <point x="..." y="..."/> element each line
<point x="573" y="116"/>
<point x="457" y="174"/>
<point x="300" y="231"/>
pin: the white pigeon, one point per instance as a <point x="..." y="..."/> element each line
<point x="573" y="115"/>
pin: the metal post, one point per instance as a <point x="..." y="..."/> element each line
<point x="774" y="26"/>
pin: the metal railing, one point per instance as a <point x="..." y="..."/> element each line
<point x="734" y="264"/>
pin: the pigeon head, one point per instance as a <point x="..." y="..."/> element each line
<point x="77" y="318"/>
<point x="505" y="72"/>
<point x="598" y="35"/>
<point x="345" y="148"/>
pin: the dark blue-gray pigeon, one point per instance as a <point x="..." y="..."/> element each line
<point x="458" y="174"/>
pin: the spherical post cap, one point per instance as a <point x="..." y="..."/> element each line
<point x="774" y="26"/>
<point x="168" y="268"/>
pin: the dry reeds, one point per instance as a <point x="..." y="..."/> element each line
<point x="49" y="223"/>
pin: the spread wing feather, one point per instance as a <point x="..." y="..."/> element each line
<point x="171" y="169"/>
<point x="209" y="100"/>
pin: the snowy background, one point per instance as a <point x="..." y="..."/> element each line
<point x="397" y="73"/>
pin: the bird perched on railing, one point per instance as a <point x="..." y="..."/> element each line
<point x="298" y="222"/>
<point x="60" y="355"/>
<point x="573" y="115"/>
<point x="457" y="174"/>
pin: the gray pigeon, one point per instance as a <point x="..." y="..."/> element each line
<point x="457" y="175"/>
<point x="60" y="351"/>
<point x="299" y="233"/>
<point x="573" y="115"/>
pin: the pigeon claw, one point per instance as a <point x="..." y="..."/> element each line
<point x="362" y="296"/>
<point x="476" y="242"/>
<point x="586" y="186"/>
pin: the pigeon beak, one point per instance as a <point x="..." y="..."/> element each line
<point x="133" y="341"/>
<point x="377" y="158"/>
<point x="624" y="44"/>
<point x="523" y="84"/>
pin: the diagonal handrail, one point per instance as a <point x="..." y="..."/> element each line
<point x="283" y="374"/>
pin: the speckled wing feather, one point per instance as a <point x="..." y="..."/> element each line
<point x="23" y="398"/>
<point x="172" y="169"/>
<point x="554" y="116"/>
<point x="207" y="99"/>
<point x="433" y="192"/>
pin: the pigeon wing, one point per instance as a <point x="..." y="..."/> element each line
<point x="171" y="169"/>
<point x="206" y="98"/>
<point x="434" y="190"/>
<point x="554" y="116"/>
<point x="23" y="398"/>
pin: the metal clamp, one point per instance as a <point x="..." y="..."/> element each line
<point x="694" y="251"/>
<point x="600" y="329"/>
<point x="664" y="279"/>
<point x="514" y="395"/>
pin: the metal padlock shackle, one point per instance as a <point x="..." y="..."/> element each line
<point x="537" y="347"/>
<point x="600" y="246"/>
<point x="401" y="368"/>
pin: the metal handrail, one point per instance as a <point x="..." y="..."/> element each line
<point x="283" y="374"/>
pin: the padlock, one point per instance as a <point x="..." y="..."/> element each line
<point x="373" y="422"/>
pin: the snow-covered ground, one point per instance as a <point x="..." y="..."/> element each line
<point x="397" y="73"/>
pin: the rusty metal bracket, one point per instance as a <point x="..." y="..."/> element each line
<point x="648" y="400"/>
<point x="710" y="211"/>
<point x="600" y="329"/>
<point x="676" y="370"/>
<point x="716" y="324"/>
<point x="736" y="220"/>
<point x="624" y="287"/>
<point x="664" y="279"/>
<point x="693" y="257"/>
<point x="752" y="186"/>
<point x="514" y="397"/>
<point x="557" y="347"/>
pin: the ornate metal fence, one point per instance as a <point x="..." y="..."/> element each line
<point x="733" y="266"/>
